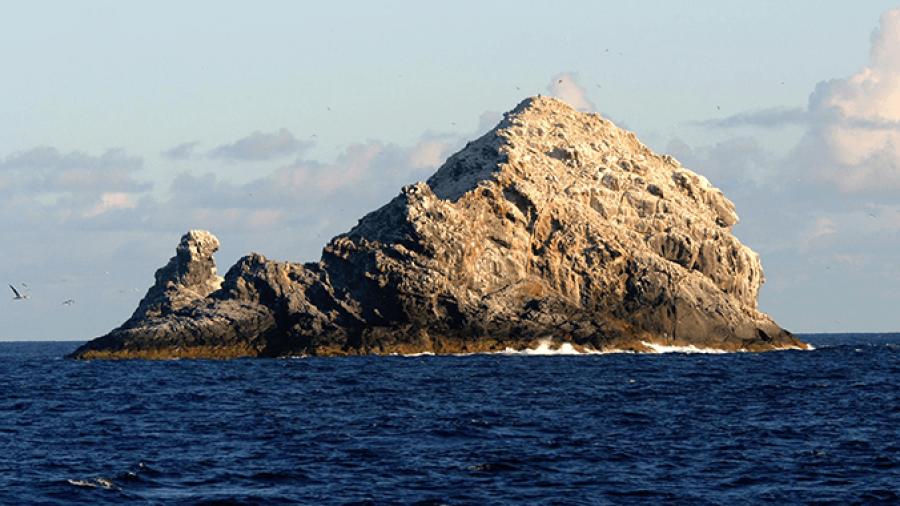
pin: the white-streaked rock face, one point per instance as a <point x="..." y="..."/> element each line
<point x="601" y="185"/>
<point x="554" y="225"/>
<point x="188" y="277"/>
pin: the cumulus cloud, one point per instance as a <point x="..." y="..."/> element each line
<point x="862" y="142"/>
<point x="852" y="137"/>
<point x="565" y="87"/>
<point x="826" y="213"/>
<point x="261" y="146"/>
<point x="183" y="151"/>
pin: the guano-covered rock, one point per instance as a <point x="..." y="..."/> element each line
<point x="554" y="226"/>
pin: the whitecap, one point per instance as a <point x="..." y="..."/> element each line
<point x="95" y="483"/>
<point x="663" y="348"/>
<point x="546" y="347"/>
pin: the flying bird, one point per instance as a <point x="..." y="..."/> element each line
<point x="17" y="295"/>
<point x="68" y="302"/>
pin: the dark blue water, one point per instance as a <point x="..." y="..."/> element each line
<point x="785" y="427"/>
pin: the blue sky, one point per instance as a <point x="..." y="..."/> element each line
<point x="277" y="124"/>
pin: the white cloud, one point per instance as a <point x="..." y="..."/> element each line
<point x="852" y="137"/>
<point x="862" y="140"/>
<point x="428" y="153"/>
<point x="111" y="201"/>
<point x="565" y="87"/>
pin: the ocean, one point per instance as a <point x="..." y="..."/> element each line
<point x="818" y="426"/>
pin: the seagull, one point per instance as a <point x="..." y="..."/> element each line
<point x="68" y="302"/>
<point x="18" y="296"/>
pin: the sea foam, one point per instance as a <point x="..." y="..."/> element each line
<point x="545" y="347"/>
<point x="663" y="348"/>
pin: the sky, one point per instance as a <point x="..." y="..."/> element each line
<point x="277" y="124"/>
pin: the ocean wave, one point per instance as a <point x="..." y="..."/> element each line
<point x="549" y="347"/>
<point x="501" y="420"/>
<point x="663" y="348"/>
<point x="93" y="483"/>
<point x="546" y="347"/>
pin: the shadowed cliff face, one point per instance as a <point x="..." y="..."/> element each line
<point x="554" y="225"/>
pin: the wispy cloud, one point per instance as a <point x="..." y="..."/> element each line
<point x="183" y="151"/>
<point x="47" y="158"/>
<point x="765" y="118"/>
<point x="261" y="146"/>
<point x="45" y="169"/>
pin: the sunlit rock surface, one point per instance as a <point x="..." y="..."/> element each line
<point x="555" y="225"/>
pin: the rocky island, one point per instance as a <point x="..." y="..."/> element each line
<point x="556" y="226"/>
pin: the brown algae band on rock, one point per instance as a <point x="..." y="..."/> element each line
<point x="555" y="225"/>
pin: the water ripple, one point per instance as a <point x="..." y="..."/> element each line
<point x="786" y="427"/>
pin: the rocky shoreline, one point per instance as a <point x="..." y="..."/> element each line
<point x="555" y="226"/>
